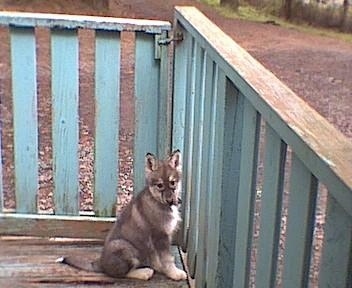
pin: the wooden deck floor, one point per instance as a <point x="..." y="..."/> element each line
<point x="30" y="262"/>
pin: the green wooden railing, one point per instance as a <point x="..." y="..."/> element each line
<point x="254" y="153"/>
<point x="231" y="116"/>
<point x="151" y="112"/>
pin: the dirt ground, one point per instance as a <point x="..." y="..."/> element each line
<point x="317" y="68"/>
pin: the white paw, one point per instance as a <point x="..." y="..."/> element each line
<point x="141" y="273"/>
<point x="178" y="275"/>
<point x="147" y="272"/>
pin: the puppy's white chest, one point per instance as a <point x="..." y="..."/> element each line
<point x="175" y="219"/>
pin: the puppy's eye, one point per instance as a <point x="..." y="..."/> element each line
<point x="160" y="185"/>
<point x="172" y="183"/>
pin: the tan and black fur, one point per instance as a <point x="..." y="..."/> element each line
<point x="139" y="241"/>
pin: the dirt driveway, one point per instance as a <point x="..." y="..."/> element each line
<point x="318" y="69"/>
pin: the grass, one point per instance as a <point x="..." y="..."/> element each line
<point x="249" y="13"/>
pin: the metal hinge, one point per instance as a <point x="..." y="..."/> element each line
<point x="163" y="40"/>
<point x="178" y="36"/>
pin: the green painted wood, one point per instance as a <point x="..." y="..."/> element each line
<point x="336" y="261"/>
<point x="24" y="92"/>
<point x="64" y="59"/>
<point x="182" y="75"/>
<point x="107" y="97"/>
<point x="15" y="224"/>
<point x="1" y="180"/>
<point x="246" y="195"/>
<point x="165" y="101"/>
<point x="326" y="157"/>
<point x="215" y="176"/>
<point x="205" y="172"/>
<point x="300" y="225"/>
<point x="230" y="182"/>
<point x="22" y="19"/>
<point x="147" y="71"/>
<point x="196" y="158"/>
<point x="188" y="145"/>
<point x="271" y="202"/>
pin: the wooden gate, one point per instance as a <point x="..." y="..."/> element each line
<point x="151" y="114"/>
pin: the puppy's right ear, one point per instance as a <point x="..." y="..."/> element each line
<point x="150" y="163"/>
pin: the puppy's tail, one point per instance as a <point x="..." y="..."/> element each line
<point x="81" y="263"/>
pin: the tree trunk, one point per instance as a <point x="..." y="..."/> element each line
<point x="287" y="9"/>
<point x="344" y="15"/>
<point x="234" y="4"/>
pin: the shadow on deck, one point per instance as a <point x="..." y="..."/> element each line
<point x="30" y="262"/>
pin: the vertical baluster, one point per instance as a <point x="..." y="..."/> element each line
<point x="1" y="177"/>
<point x="300" y="225"/>
<point x="107" y="97"/>
<point x="230" y="182"/>
<point x="205" y="179"/>
<point x="164" y="103"/>
<point x="199" y="65"/>
<point x="336" y="261"/>
<point x="147" y="72"/>
<point x="188" y="146"/>
<point x="215" y="173"/>
<point x="64" y="59"/>
<point x="24" y="86"/>
<point x="247" y="194"/>
<point x="182" y="79"/>
<point x="274" y="161"/>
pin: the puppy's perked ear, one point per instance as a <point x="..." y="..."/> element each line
<point x="175" y="160"/>
<point x="150" y="163"/>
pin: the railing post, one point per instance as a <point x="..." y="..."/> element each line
<point x="336" y="261"/>
<point x="233" y="125"/>
<point x="165" y="99"/>
<point x="181" y="88"/>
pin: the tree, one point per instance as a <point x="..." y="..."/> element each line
<point x="234" y="4"/>
<point x="344" y="15"/>
<point x="287" y="8"/>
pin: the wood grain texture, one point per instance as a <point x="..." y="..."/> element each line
<point x="271" y="203"/>
<point x="147" y="72"/>
<point x="194" y="177"/>
<point x="64" y="54"/>
<point x="54" y="226"/>
<point x="165" y="99"/>
<point x="336" y="263"/>
<point x="246" y="195"/>
<point x="188" y="142"/>
<point x="205" y="171"/>
<point x="24" y="19"/>
<point x="30" y="262"/>
<point x="230" y="182"/>
<point x="107" y="99"/>
<point x="217" y="133"/>
<point x="300" y="225"/>
<point x="323" y="149"/>
<point x="24" y="88"/>
<point x="180" y="93"/>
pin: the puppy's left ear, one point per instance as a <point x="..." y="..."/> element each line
<point x="175" y="160"/>
<point x="150" y="163"/>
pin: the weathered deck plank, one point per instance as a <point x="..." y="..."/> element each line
<point x="30" y="262"/>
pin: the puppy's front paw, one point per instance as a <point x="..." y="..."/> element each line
<point x="178" y="275"/>
<point x="141" y="273"/>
